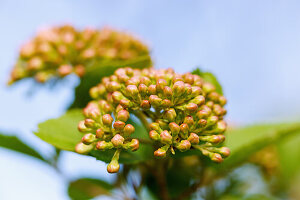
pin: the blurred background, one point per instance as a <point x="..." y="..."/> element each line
<point x="251" y="46"/>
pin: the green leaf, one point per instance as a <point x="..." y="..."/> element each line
<point x="15" y="144"/>
<point x="88" y="188"/>
<point x="62" y="133"/>
<point x="209" y="77"/>
<point x="243" y="142"/>
<point x="95" y="73"/>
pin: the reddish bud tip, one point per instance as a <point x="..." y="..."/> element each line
<point x="117" y="140"/>
<point x="119" y="125"/>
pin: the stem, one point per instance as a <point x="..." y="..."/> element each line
<point x="143" y="118"/>
<point x="159" y="173"/>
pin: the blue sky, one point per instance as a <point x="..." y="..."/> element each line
<point x="252" y="46"/>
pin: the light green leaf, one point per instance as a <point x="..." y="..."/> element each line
<point x="62" y="133"/>
<point x="209" y="77"/>
<point x="15" y="144"/>
<point x="88" y="188"/>
<point x="243" y="142"/>
<point x="96" y="72"/>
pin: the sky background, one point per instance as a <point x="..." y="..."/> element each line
<point x="252" y="46"/>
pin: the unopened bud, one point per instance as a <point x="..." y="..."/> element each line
<point x="143" y="89"/>
<point x="83" y="148"/>
<point x="99" y="133"/>
<point x="117" y="96"/>
<point x="160" y="153"/>
<point x="184" y="128"/>
<point x="145" y="104"/>
<point x="189" y="120"/>
<point x="216" y="157"/>
<point x="65" y="70"/>
<point x="107" y="119"/>
<point x="88" y="138"/>
<point x="165" y="137"/>
<point x="166" y="103"/>
<point x="89" y="123"/>
<point x="152" y="89"/>
<point x="224" y="151"/>
<point x="183" y="145"/>
<point x="202" y="123"/>
<point x="193" y="138"/>
<point x="212" y="120"/>
<point x="154" y="135"/>
<point x="128" y="130"/>
<point x="79" y="70"/>
<point x="221" y="126"/>
<point x="123" y="115"/>
<point x="199" y="100"/>
<point x="178" y="88"/>
<point x="132" y="90"/>
<point x="170" y="115"/>
<point x="168" y="92"/>
<point x="160" y="84"/>
<point x="222" y="100"/>
<point x="133" y="145"/>
<point x="117" y="140"/>
<point x="102" y="145"/>
<point x="113" y="86"/>
<point x="196" y="91"/>
<point x="119" y="125"/>
<point x="175" y="128"/>
<point x="191" y="107"/>
<point x="113" y="166"/>
<point x="155" y="100"/>
<point x="145" y="80"/>
<point x="82" y="128"/>
<point x="208" y="87"/>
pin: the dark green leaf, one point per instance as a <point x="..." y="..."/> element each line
<point x="87" y="188"/>
<point x="209" y="77"/>
<point x="13" y="143"/>
<point x="62" y="133"/>
<point x="95" y="73"/>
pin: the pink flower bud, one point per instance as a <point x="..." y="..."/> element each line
<point x="65" y="70"/>
<point x="89" y="123"/>
<point x="178" y="88"/>
<point x="99" y="133"/>
<point x="160" y="153"/>
<point x="193" y="138"/>
<point x="145" y="104"/>
<point x="168" y="92"/>
<point x="113" y="166"/>
<point x="170" y="115"/>
<point x="189" y="120"/>
<point x="117" y="140"/>
<point x="165" y="137"/>
<point x="208" y="87"/>
<point x="160" y="84"/>
<point x="107" y="119"/>
<point x="224" y="151"/>
<point x="175" y="128"/>
<point x="134" y="144"/>
<point x="128" y="130"/>
<point x="152" y="89"/>
<point x="119" y="125"/>
<point x="132" y="91"/>
<point x="88" y="138"/>
<point x="154" y="135"/>
<point x="123" y="115"/>
<point x="102" y="145"/>
<point x="83" y="148"/>
<point x="183" y="145"/>
<point x="143" y="89"/>
<point x="216" y="157"/>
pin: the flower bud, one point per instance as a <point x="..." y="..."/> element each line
<point x="221" y="126"/>
<point x="79" y="70"/>
<point x="119" y="108"/>
<point x="94" y="92"/>
<point x="212" y="120"/>
<point x="117" y="97"/>
<point x="196" y="91"/>
<point x="216" y="157"/>
<point x="83" y="148"/>
<point x="165" y="137"/>
<point x="102" y="145"/>
<point x="113" y="86"/>
<point x="117" y="140"/>
<point x="202" y="114"/>
<point x="145" y="104"/>
<point x="199" y="100"/>
<point x="183" y="145"/>
<point x="128" y="130"/>
<point x="35" y="63"/>
<point x="107" y="120"/>
<point x="211" y="138"/>
<point x="166" y="103"/>
<point x="189" y="120"/>
<point x="191" y="107"/>
<point x="125" y="103"/>
<point x="89" y="123"/>
<point x="155" y="126"/>
<point x="82" y="128"/>
<point x="145" y="80"/>
<point x="222" y="100"/>
<point x="208" y="87"/>
<point x="155" y="100"/>
<point x="160" y="84"/>
<point x="119" y="125"/>
<point x="170" y="114"/>
<point x="160" y="153"/>
<point x="168" y="92"/>
<point x="132" y="91"/>
<point x="224" y="151"/>
<point x="193" y="138"/>
<point x="123" y="115"/>
<point x="184" y="128"/>
<point x="133" y="81"/>
<point x="99" y="133"/>
<point x="88" y="138"/>
<point x="65" y="70"/>
<point x="154" y="135"/>
<point x="143" y="89"/>
<point x="175" y="128"/>
<point x="133" y="145"/>
<point x="202" y="123"/>
<point x="113" y="166"/>
<point x="178" y="88"/>
<point x="188" y="89"/>
<point x="152" y="89"/>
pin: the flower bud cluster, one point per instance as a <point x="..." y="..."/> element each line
<point x="186" y="111"/>
<point x="60" y="51"/>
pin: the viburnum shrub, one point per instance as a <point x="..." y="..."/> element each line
<point x="163" y="132"/>
<point x="180" y="112"/>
